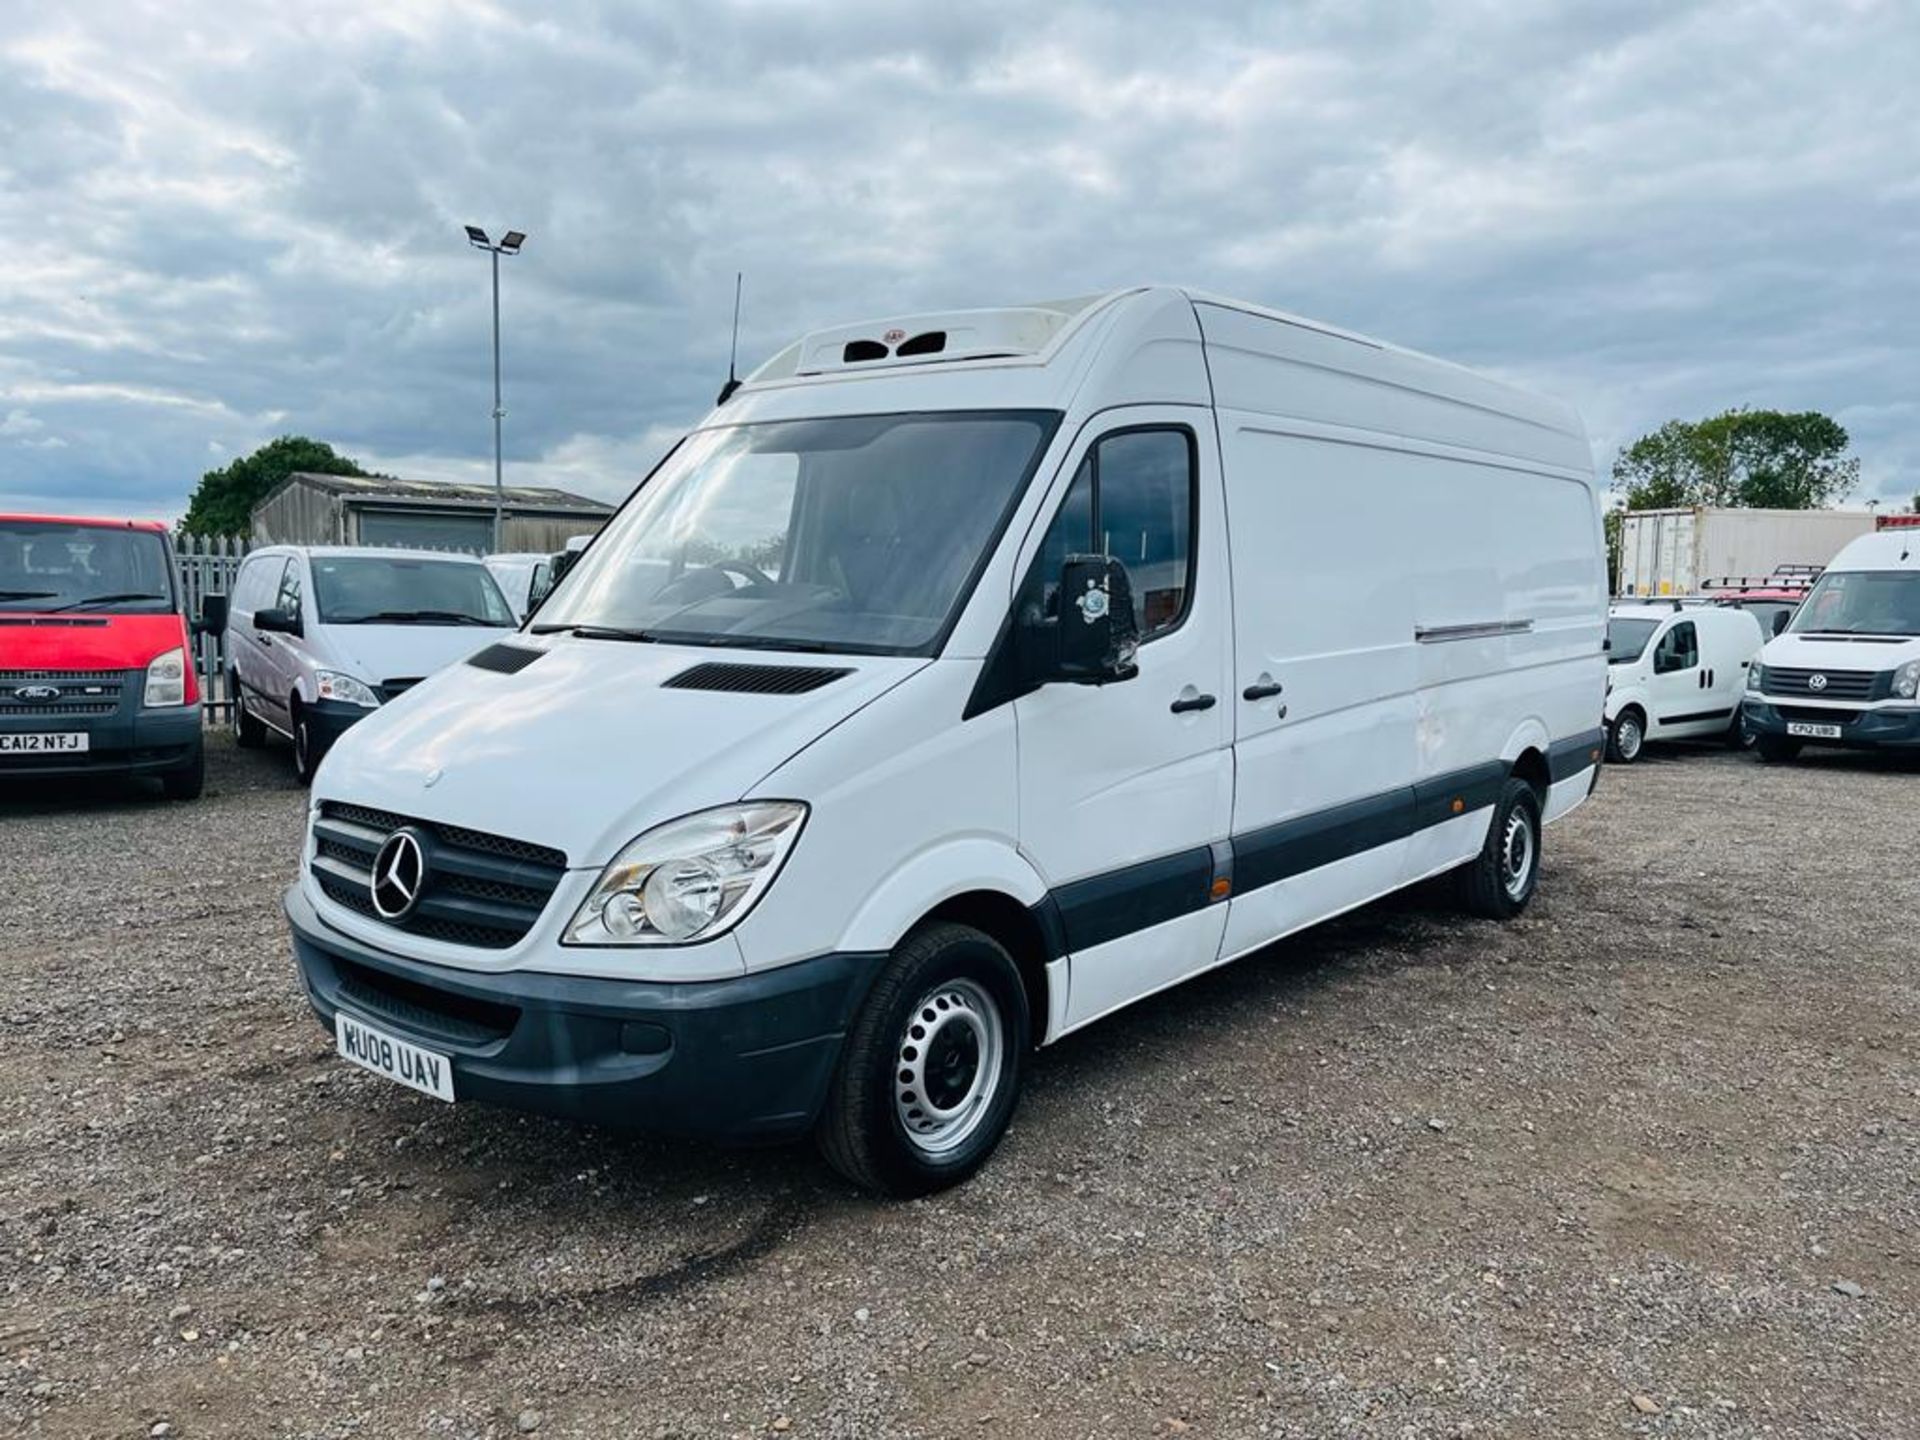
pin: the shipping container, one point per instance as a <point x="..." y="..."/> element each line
<point x="1673" y="552"/>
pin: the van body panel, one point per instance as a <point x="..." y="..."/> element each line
<point x="607" y="728"/>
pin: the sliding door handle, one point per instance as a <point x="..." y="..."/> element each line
<point x="1265" y="690"/>
<point x="1192" y="702"/>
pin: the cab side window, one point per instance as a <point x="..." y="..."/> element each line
<point x="1132" y="498"/>
<point x="1679" y="649"/>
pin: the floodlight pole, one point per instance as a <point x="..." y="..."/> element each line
<point x="509" y="244"/>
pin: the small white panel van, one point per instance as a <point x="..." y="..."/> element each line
<point x="320" y="636"/>
<point x="960" y="679"/>
<point x="1847" y="670"/>
<point x="1677" y="672"/>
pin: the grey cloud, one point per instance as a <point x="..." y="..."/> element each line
<point x="241" y="224"/>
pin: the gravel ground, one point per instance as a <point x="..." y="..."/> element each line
<point x="1643" y="1163"/>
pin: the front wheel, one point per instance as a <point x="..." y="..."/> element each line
<point x="931" y="1069"/>
<point x="1776" y="749"/>
<point x="306" y="755"/>
<point x="185" y="782"/>
<point x="1500" y="882"/>
<point x="1740" y="735"/>
<point x="1626" y="737"/>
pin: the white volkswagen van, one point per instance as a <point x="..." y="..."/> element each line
<point x="1676" y="672"/>
<point x="959" y="680"/>
<point x="1847" y="670"/>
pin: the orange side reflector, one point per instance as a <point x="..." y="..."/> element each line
<point x="1222" y="888"/>
<point x="1459" y="806"/>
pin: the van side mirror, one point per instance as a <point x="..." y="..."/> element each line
<point x="277" y="622"/>
<point x="213" y="615"/>
<point x="1095" y="637"/>
<point x="1780" y="621"/>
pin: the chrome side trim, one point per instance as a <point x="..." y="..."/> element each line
<point x="1485" y="630"/>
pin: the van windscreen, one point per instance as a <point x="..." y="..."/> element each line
<point x="49" y="565"/>
<point x="403" y="590"/>
<point x="1862" y="602"/>
<point x="861" y="534"/>
<point x="1626" y="638"/>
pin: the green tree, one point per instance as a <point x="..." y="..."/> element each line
<point x="223" y="503"/>
<point x="1765" y="459"/>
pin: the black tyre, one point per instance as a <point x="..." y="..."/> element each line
<point x="1776" y="749"/>
<point x="1626" y="736"/>
<point x="185" y="782"/>
<point x="1740" y="736"/>
<point x="249" y="733"/>
<point x="1500" y="882"/>
<point x="931" y="1069"/>
<point x="306" y="753"/>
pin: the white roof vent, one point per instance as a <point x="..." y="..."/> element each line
<point x="928" y="339"/>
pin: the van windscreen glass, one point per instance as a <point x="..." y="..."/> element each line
<point x="1862" y="602"/>
<point x="49" y="565"/>
<point x="857" y="533"/>
<point x="370" y="590"/>
<point x="1627" y="638"/>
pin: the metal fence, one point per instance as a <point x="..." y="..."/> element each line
<point x="206" y="565"/>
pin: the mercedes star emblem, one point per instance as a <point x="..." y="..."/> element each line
<point x="399" y="874"/>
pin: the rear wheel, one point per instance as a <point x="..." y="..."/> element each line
<point x="1500" y="882"/>
<point x="1626" y="737"/>
<point x="248" y="731"/>
<point x="1776" y="749"/>
<point x="931" y="1069"/>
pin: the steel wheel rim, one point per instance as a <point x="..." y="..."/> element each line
<point x="1516" y="854"/>
<point x="1629" y="738"/>
<point x="947" y="1066"/>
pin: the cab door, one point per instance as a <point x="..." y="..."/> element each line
<point x="1126" y="789"/>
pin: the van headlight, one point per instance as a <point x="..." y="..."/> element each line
<point x="166" y="679"/>
<point x="332" y="685"/>
<point x="1756" y="676"/>
<point x="1906" y="680"/>
<point x="691" y="879"/>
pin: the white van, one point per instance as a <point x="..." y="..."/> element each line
<point x="1847" y="670"/>
<point x="1677" y="672"/>
<point x="320" y="636"/>
<point x="523" y="576"/>
<point x="959" y="680"/>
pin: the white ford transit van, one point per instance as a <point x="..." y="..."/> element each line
<point x="318" y="636"/>
<point x="959" y="680"/>
<point x="1676" y="673"/>
<point x="1847" y="670"/>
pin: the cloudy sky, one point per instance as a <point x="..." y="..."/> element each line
<point x="228" y="222"/>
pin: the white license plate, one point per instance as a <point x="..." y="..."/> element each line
<point x="392" y="1057"/>
<point x="66" y="742"/>
<point x="1813" y="732"/>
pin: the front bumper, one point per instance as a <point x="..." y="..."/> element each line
<point x="743" y="1060"/>
<point x="1859" y="729"/>
<point x="328" y="720"/>
<point x="127" y="739"/>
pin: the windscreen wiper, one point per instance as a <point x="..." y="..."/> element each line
<point x="105" y="600"/>
<point x="595" y="632"/>
<point x="417" y="617"/>
<point x="26" y="594"/>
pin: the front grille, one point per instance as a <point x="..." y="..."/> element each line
<point x="480" y="889"/>
<point x="82" y="692"/>
<point x="1841" y="684"/>
<point x="424" y="1008"/>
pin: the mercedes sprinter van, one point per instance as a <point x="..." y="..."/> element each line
<point x="960" y="679"/>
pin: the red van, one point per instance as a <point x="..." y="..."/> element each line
<point x="95" y="670"/>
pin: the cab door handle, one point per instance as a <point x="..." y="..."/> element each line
<point x="1192" y="702"/>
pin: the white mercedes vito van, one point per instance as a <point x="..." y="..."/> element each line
<point x="957" y="681"/>
<point x="1847" y="670"/>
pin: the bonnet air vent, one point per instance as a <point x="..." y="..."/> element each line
<point x="754" y="679"/>
<point x="931" y="343"/>
<point x="504" y="659"/>
<point x="858" y="350"/>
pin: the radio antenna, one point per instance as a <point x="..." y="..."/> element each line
<point x="733" y="353"/>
